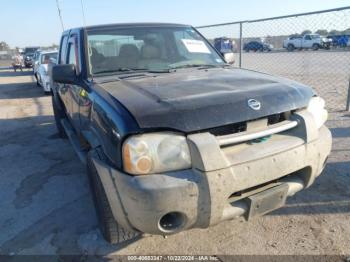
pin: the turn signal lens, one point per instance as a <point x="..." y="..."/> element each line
<point x="317" y="108"/>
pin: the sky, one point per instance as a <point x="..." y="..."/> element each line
<point x="36" y="22"/>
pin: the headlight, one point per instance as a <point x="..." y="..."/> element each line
<point x="155" y="153"/>
<point x="317" y="108"/>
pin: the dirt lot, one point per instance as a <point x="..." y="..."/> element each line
<point x="46" y="206"/>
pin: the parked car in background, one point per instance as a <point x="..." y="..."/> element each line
<point x="339" y="40"/>
<point x="28" y="56"/>
<point x="226" y="47"/>
<point x="308" y="41"/>
<point x="257" y="46"/>
<point x="224" y="44"/>
<point x="173" y="137"/>
<point x="36" y="61"/>
<point x="28" y="60"/>
<point x="46" y="60"/>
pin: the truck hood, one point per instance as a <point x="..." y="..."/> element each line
<point x="193" y="100"/>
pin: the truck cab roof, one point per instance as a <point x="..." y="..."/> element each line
<point x="125" y="25"/>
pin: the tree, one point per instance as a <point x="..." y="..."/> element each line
<point x="346" y="32"/>
<point x="322" y="32"/>
<point x="334" y="32"/>
<point x="305" y="32"/>
<point x="4" y="46"/>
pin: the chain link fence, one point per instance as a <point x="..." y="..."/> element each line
<point x="312" y="48"/>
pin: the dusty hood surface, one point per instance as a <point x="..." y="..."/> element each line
<point x="191" y="100"/>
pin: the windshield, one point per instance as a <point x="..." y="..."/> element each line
<point x="30" y="49"/>
<point x="314" y="36"/>
<point x="121" y="50"/>
<point x="46" y="58"/>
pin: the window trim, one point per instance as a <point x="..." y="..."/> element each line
<point x="73" y="40"/>
<point x="61" y="56"/>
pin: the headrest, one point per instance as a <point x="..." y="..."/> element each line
<point x="128" y="50"/>
<point x="150" y="52"/>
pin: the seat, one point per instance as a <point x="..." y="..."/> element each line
<point x="129" y="56"/>
<point x="151" y="57"/>
<point x="96" y="59"/>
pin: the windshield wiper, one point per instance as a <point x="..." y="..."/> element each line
<point x="199" y="66"/>
<point x="124" y="70"/>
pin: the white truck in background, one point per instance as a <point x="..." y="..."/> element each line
<point x="308" y="41"/>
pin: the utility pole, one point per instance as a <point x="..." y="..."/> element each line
<point x="82" y="11"/>
<point x="59" y="14"/>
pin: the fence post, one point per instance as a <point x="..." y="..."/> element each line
<point x="348" y="100"/>
<point x="240" y="44"/>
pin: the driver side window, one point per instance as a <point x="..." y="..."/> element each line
<point x="72" y="59"/>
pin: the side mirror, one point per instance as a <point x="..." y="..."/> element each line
<point x="64" y="74"/>
<point x="229" y="58"/>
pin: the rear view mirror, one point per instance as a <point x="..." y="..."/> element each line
<point x="64" y="74"/>
<point x="229" y="58"/>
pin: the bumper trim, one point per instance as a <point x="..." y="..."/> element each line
<point x="251" y="135"/>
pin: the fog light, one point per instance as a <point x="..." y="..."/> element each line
<point x="171" y="222"/>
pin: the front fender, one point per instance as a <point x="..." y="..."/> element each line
<point x="109" y="125"/>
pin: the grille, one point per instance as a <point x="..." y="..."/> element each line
<point x="242" y="126"/>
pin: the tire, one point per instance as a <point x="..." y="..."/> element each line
<point x="110" y="229"/>
<point x="290" y="48"/>
<point x="37" y="80"/>
<point x="315" y="47"/>
<point x="59" y="115"/>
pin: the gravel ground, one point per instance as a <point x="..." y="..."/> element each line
<point x="46" y="206"/>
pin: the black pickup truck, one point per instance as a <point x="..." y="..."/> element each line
<point x="174" y="137"/>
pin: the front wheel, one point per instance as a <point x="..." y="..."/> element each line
<point x="109" y="227"/>
<point x="290" y="48"/>
<point x="315" y="47"/>
<point x="59" y="115"/>
<point x="37" y="80"/>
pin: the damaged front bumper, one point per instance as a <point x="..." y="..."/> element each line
<point x="244" y="179"/>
